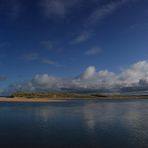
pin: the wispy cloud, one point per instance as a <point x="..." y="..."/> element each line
<point x="100" y="13"/>
<point x="43" y="60"/>
<point x="47" y="44"/>
<point x="93" y="51"/>
<point x="51" y="45"/>
<point x="104" y="11"/>
<point x="3" y="78"/>
<point x="16" y="9"/>
<point x="31" y="56"/>
<point x="59" y="8"/>
<point x="50" y="62"/>
<point x="82" y="37"/>
<point x="11" y="8"/>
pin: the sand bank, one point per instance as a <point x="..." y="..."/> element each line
<point x="7" y="99"/>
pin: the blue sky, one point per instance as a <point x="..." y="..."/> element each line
<point x="62" y="38"/>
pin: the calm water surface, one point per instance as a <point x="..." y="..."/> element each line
<point x="74" y="124"/>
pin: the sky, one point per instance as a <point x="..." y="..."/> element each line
<point x="74" y="44"/>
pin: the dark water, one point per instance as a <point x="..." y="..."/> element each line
<point x="74" y="124"/>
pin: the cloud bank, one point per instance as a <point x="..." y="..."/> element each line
<point x="132" y="79"/>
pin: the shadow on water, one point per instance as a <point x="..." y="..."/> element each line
<point x="75" y="124"/>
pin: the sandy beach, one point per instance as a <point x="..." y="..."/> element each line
<point x="25" y="99"/>
<point x="7" y="99"/>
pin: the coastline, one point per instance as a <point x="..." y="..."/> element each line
<point x="46" y="100"/>
<point x="39" y="100"/>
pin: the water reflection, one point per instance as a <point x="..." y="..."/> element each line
<point x="75" y="124"/>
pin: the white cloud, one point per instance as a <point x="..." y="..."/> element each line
<point x="88" y="73"/>
<point x="135" y="78"/>
<point x="93" y="51"/>
<point x="45" y="81"/>
<point x="135" y="73"/>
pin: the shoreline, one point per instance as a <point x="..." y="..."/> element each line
<point x="46" y="100"/>
<point x="38" y="100"/>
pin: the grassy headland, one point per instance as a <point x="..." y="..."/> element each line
<point x="62" y="96"/>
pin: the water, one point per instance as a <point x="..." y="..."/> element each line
<point x="74" y="124"/>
